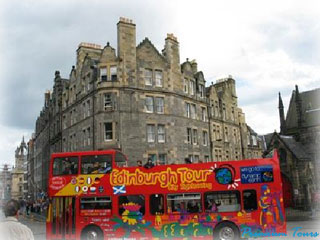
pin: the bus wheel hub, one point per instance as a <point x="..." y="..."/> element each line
<point x="92" y="235"/>
<point x="226" y="233"/>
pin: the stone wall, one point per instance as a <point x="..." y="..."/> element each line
<point x="145" y="103"/>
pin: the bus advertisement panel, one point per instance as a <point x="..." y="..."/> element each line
<point x="93" y="195"/>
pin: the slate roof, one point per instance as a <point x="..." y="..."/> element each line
<point x="310" y="101"/>
<point x="298" y="149"/>
<point x="266" y="139"/>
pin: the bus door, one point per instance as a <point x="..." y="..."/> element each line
<point x="63" y="218"/>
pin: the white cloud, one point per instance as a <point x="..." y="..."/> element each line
<point x="268" y="46"/>
<point x="9" y="141"/>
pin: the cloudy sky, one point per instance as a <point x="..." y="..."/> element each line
<point x="267" y="46"/>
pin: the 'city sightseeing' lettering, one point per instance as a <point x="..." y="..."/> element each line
<point x="165" y="178"/>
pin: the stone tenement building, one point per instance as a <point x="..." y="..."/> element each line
<point x="143" y="102"/>
<point x="298" y="145"/>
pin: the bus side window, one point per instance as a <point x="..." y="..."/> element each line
<point x="95" y="203"/>
<point x="120" y="160"/>
<point x="249" y="200"/>
<point x="184" y="203"/>
<point x="222" y="201"/>
<point x="65" y="166"/>
<point x="95" y="164"/>
<point x="156" y="204"/>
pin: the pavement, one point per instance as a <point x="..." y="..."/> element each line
<point x="35" y="222"/>
<point x="35" y="217"/>
<point x="298" y="222"/>
<point x="299" y="215"/>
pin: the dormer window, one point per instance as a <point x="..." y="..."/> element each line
<point x="148" y="77"/>
<point x="201" y="90"/>
<point x="185" y="83"/>
<point x="103" y="74"/>
<point x="113" y="73"/>
<point x="192" y="87"/>
<point x="158" y="76"/>
<point x="254" y="140"/>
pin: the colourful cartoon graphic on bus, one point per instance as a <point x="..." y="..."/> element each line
<point x="271" y="210"/>
<point x="182" y="201"/>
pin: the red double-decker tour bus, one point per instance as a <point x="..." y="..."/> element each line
<point x="93" y="195"/>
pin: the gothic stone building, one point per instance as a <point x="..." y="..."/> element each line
<point x="19" y="188"/>
<point x="143" y="102"/>
<point x="298" y="147"/>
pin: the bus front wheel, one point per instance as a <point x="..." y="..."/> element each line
<point x="92" y="233"/>
<point x="226" y="231"/>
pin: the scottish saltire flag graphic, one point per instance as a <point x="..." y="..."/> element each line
<point x="119" y="189"/>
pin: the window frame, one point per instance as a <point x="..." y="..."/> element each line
<point x="158" y="81"/>
<point x="238" y="197"/>
<point x="195" y="136"/>
<point x="152" y="204"/>
<point x="148" y="76"/>
<point x="193" y="111"/>
<point x="161" y="133"/>
<point x="103" y="77"/>
<point x="188" y="110"/>
<point x="205" y="138"/>
<point x="185" y="85"/>
<point x="204" y="114"/>
<point x="108" y="131"/>
<point x="151" y="133"/>
<point x="159" y="104"/>
<point x="189" y="135"/>
<point x="244" y="202"/>
<point x="192" y="87"/>
<point x="185" y="198"/>
<point x="94" y="199"/>
<point x="162" y="157"/>
<point x="107" y="101"/>
<point x="73" y="159"/>
<point x="90" y="160"/>
<point x="149" y="105"/>
<point x="113" y="74"/>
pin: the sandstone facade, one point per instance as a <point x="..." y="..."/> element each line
<point x="143" y="102"/>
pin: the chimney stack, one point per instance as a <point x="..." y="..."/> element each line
<point x="127" y="50"/>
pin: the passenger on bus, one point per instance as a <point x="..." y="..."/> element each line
<point x="187" y="160"/>
<point x="139" y="163"/>
<point x="149" y="164"/>
<point x="160" y="209"/>
<point x="212" y="206"/>
<point x="158" y="163"/>
<point x="193" y="207"/>
<point x="69" y="169"/>
<point x="97" y="168"/>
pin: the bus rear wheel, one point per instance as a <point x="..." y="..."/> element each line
<point x="226" y="231"/>
<point x="92" y="233"/>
